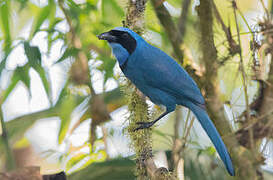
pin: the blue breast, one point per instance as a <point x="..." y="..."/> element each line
<point x="120" y="53"/>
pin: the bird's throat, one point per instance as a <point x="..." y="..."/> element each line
<point x="120" y="53"/>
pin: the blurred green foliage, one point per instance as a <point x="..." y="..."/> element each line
<point x="85" y="20"/>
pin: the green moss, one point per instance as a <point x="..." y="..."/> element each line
<point x="141" y="139"/>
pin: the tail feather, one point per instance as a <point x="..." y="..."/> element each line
<point x="214" y="136"/>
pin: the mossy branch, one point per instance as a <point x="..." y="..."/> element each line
<point x="141" y="139"/>
<point x="138" y="108"/>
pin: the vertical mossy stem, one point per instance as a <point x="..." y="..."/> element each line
<point x="137" y="106"/>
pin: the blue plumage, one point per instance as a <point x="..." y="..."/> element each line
<point x="163" y="80"/>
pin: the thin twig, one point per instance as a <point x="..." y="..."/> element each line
<point x="183" y="18"/>
<point x="234" y="47"/>
<point x="170" y="28"/>
<point x="265" y="9"/>
<point x="254" y="122"/>
<point x="244" y="19"/>
<point x="176" y="122"/>
<point x="184" y="139"/>
<point x="176" y="141"/>
<point x="241" y="59"/>
<point x="243" y="74"/>
<point x="186" y="123"/>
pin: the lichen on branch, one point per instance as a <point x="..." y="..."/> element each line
<point x="137" y="106"/>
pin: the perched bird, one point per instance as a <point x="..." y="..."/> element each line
<point x="163" y="80"/>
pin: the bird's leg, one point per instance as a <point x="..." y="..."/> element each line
<point x="144" y="125"/>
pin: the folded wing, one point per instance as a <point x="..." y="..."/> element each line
<point x="163" y="72"/>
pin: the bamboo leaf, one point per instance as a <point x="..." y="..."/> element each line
<point x="43" y="75"/>
<point x="21" y="73"/>
<point x="52" y="14"/>
<point x="3" y="64"/>
<point x="38" y="21"/>
<point x="68" y="53"/>
<point x="17" y="127"/>
<point x="75" y="160"/>
<point x="113" y="169"/>
<point x="5" y="24"/>
<point x="33" y="54"/>
<point x="34" y="57"/>
<point x="5" y="28"/>
<point x="10" y="88"/>
<point x="67" y="108"/>
<point x="107" y="66"/>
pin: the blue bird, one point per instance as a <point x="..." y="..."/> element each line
<point x="163" y="80"/>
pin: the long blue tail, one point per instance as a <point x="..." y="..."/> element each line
<point x="210" y="129"/>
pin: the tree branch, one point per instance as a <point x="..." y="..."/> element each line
<point x="157" y="173"/>
<point x="170" y="28"/>
<point x="234" y="48"/>
<point x="138" y="107"/>
<point x="242" y="157"/>
<point x="183" y="18"/>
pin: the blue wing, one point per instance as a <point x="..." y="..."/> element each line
<point x="162" y="72"/>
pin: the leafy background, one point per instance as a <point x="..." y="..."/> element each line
<point x="48" y="104"/>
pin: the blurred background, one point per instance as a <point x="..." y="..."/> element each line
<point x="64" y="108"/>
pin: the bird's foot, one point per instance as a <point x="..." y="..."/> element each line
<point x="143" y="125"/>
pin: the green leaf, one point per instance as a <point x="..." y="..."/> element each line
<point x="74" y="10"/>
<point x="52" y="23"/>
<point x="68" y="53"/>
<point x="67" y="108"/>
<point x="52" y="14"/>
<point x="20" y="74"/>
<point x="17" y="127"/>
<point x="4" y="13"/>
<point x="175" y="3"/>
<point x="111" y="10"/>
<point x="75" y="160"/>
<point x="5" y="28"/>
<point x="113" y="169"/>
<point x="107" y="66"/>
<point x="3" y="64"/>
<point x="93" y="2"/>
<point x="43" y="75"/>
<point x="52" y="34"/>
<point x="33" y="54"/>
<point x="34" y="58"/>
<point x="63" y="94"/>
<point x="6" y="92"/>
<point x="91" y="158"/>
<point x="38" y="21"/>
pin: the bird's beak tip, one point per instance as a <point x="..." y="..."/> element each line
<point x="99" y="37"/>
<point x="103" y="36"/>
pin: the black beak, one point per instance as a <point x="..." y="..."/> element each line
<point x="106" y="36"/>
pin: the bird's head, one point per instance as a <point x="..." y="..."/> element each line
<point x="123" y="42"/>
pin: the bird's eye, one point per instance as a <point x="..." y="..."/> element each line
<point x="125" y="35"/>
